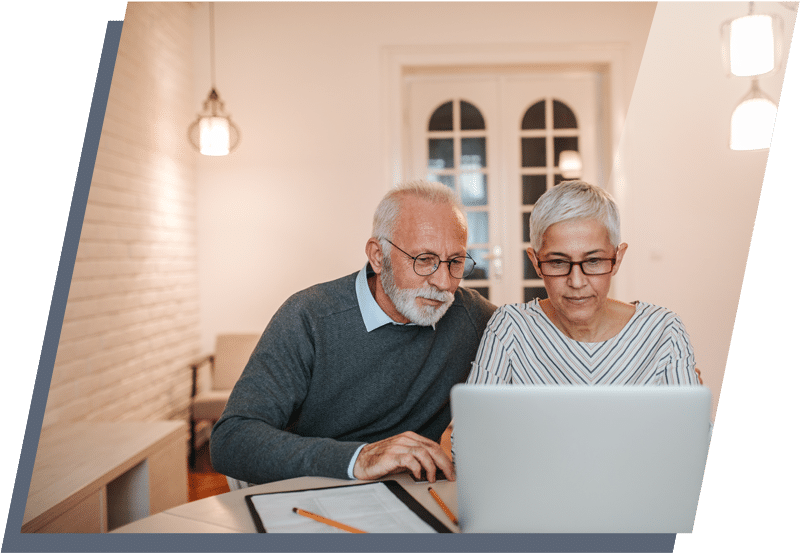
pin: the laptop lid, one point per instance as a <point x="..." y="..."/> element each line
<point x="572" y="459"/>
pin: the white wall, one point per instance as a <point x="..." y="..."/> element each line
<point x="131" y="324"/>
<point x="292" y="206"/>
<point x="689" y="202"/>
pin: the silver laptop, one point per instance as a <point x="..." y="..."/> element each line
<point x="571" y="459"/>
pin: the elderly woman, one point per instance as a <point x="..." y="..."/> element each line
<point x="578" y="335"/>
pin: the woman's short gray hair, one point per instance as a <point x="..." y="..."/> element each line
<point x="385" y="218"/>
<point x="574" y="200"/>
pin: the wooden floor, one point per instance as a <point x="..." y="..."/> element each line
<point x="203" y="481"/>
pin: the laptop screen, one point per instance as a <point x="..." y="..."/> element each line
<point x="571" y="459"/>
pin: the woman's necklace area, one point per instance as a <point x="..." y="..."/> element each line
<point x="583" y="334"/>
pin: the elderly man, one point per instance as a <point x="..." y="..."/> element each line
<point x="351" y="378"/>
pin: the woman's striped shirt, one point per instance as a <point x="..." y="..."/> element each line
<point x="522" y="346"/>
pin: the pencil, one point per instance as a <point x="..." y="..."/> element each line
<point x="444" y="507"/>
<point x="328" y="521"/>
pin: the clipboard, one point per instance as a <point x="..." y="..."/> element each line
<point x="405" y="507"/>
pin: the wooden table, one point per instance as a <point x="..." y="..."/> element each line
<point x="228" y="512"/>
<point x="221" y="523"/>
<point x="97" y="476"/>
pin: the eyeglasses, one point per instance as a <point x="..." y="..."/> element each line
<point x="589" y="267"/>
<point x="427" y="263"/>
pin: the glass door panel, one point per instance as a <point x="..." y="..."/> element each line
<point x="495" y="139"/>
<point x="457" y="148"/>
<point x="549" y="114"/>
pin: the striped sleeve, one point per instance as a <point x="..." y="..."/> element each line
<point x="491" y="361"/>
<point x="681" y="368"/>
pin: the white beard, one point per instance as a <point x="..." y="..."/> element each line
<point x="405" y="300"/>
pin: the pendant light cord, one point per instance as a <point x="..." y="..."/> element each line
<point x="211" y="34"/>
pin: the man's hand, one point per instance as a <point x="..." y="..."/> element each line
<point x="406" y="451"/>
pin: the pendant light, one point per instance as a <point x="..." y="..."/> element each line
<point x="570" y="165"/>
<point x="753" y="120"/>
<point x="213" y="133"/>
<point x="752" y="44"/>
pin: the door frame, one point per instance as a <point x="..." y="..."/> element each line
<point x="503" y="97"/>
<point x="608" y="59"/>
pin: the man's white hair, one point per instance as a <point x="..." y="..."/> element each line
<point x="385" y="219"/>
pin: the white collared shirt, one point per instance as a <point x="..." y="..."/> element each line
<point x="371" y="312"/>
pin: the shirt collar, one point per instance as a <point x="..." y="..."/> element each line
<point x="371" y="312"/>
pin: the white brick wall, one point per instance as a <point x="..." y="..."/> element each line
<point x="131" y="324"/>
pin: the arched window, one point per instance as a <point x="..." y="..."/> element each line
<point x="457" y="157"/>
<point x="549" y="127"/>
<point x="494" y="139"/>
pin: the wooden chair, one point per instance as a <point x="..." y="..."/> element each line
<point x="210" y="393"/>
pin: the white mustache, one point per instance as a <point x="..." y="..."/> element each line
<point x="434" y="294"/>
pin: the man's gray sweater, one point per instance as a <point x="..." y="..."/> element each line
<point x="318" y="385"/>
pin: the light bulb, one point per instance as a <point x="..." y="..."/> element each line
<point x="214" y="136"/>
<point x="752" y="123"/>
<point x="752" y="45"/>
<point x="570" y="164"/>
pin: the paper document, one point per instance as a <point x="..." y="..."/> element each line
<point x="370" y="507"/>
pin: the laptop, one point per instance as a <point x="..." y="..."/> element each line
<point x="573" y="459"/>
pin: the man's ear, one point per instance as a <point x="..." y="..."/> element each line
<point x="533" y="259"/>
<point x="374" y="254"/>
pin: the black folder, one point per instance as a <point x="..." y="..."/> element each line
<point x="393" y="487"/>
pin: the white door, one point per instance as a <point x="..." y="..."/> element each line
<point x="495" y="138"/>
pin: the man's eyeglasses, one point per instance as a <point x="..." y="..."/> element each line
<point x="427" y="263"/>
<point x="589" y="267"/>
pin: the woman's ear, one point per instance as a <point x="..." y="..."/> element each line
<point x="534" y="261"/>
<point x="620" y="255"/>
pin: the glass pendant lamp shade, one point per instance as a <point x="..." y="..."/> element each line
<point x="751" y="45"/>
<point x="570" y="164"/>
<point x="752" y="121"/>
<point x="213" y="133"/>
